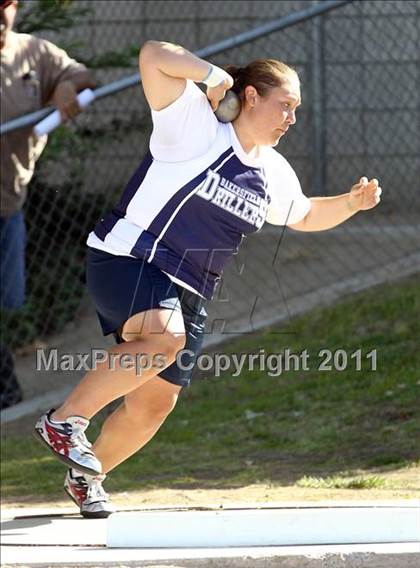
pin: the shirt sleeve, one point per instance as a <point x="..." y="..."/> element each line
<point x="57" y="66"/>
<point x="185" y="129"/>
<point x="288" y="204"/>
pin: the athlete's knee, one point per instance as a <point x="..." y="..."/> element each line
<point x="156" y="407"/>
<point x="160" y="407"/>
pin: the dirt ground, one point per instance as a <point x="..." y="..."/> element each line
<point x="250" y="494"/>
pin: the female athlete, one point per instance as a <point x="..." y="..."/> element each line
<point x="155" y="260"/>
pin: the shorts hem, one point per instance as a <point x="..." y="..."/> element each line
<point x="178" y="382"/>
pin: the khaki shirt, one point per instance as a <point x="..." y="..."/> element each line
<point x="31" y="68"/>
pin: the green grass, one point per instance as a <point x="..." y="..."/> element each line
<point x="333" y="429"/>
<point x="340" y="482"/>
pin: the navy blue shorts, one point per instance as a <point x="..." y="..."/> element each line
<point x="121" y="286"/>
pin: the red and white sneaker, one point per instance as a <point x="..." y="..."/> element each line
<point x="88" y="494"/>
<point x="68" y="442"/>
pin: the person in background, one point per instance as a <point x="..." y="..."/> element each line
<point x="34" y="74"/>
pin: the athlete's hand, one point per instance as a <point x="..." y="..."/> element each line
<point x="216" y="94"/>
<point x="364" y="195"/>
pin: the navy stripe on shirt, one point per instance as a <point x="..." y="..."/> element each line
<point x="105" y="226"/>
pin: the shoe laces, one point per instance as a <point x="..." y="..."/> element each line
<point x="95" y="490"/>
<point x="78" y="438"/>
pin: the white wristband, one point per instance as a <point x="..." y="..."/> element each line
<point x="215" y="76"/>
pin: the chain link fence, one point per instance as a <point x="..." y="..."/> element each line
<point x="360" y="75"/>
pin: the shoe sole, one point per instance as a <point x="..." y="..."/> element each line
<point x="68" y="461"/>
<point x="86" y="514"/>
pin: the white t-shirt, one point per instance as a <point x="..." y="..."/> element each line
<point x="196" y="194"/>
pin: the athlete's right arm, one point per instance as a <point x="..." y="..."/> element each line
<point x="164" y="68"/>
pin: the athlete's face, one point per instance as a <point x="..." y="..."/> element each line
<point x="271" y="116"/>
<point x="7" y="18"/>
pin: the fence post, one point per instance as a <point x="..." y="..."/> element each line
<point x="318" y="106"/>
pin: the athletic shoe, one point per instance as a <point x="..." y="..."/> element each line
<point x="88" y="494"/>
<point x="68" y="442"/>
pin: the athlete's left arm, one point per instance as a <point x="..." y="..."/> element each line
<point x="328" y="212"/>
